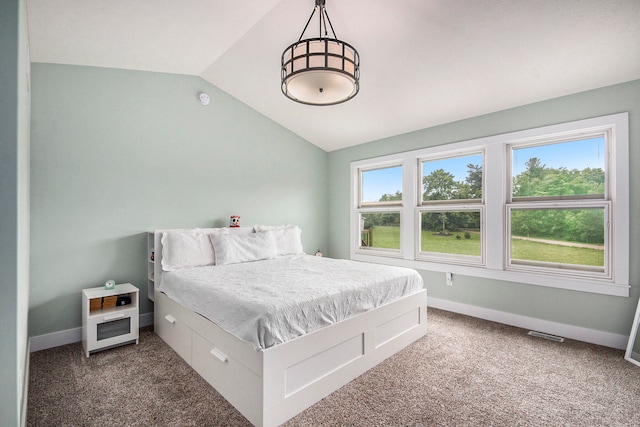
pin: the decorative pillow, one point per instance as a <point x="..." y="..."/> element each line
<point x="287" y="238"/>
<point x="188" y="248"/>
<point x="236" y="248"/>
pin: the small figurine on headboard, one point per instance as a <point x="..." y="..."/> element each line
<point x="234" y="221"/>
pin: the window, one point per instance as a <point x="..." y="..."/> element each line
<point x="574" y="169"/>
<point x="380" y="230"/>
<point x="551" y="237"/>
<point x="455" y="234"/>
<point x="449" y="229"/>
<point x="558" y="211"/>
<point x="453" y="178"/>
<point x="546" y="206"/>
<point x="381" y="186"/>
<point x="379" y="207"/>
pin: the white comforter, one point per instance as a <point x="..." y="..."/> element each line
<point x="269" y="302"/>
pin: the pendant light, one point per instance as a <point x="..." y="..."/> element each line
<point x="321" y="70"/>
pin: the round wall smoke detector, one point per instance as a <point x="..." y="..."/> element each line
<point x="204" y="98"/>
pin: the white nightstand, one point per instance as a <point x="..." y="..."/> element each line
<point x="109" y="317"/>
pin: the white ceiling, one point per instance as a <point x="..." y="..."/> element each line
<point x="423" y="62"/>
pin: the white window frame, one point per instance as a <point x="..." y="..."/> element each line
<point x="372" y="207"/>
<point x="496" y="196"/>
<point x="450" y="205"/>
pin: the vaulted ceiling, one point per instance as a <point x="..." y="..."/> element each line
<point x="423" y="62"/>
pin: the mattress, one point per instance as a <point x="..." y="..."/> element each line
<point x="271" y="301"/>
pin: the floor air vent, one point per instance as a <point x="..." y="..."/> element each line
<point x="546" y="336"/>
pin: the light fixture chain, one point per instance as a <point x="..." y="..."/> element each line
<point x="322" y="21"/>
<point x="305" y="27"/>
<point x="330" y="26"/>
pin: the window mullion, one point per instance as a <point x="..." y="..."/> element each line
<point x="495" y="191"/>
<point x="410" y="193"/>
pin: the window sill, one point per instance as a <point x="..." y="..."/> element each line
<point x="552" y="281"/>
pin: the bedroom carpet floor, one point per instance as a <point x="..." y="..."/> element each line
<point x="465" y="372"/>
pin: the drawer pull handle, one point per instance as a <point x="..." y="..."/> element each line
<point x="170" y="319"/>
<point x="219" y="355"/>
<point x="113" y="317"/>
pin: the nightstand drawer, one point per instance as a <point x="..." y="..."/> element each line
<point x="109" y="316"/>
<point x="116" y="327"/>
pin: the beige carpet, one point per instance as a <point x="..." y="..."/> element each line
<point x="465" y="372"/>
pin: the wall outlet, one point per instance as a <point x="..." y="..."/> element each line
<point x="449" y="279"/>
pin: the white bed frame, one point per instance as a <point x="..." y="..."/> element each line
<point x="272" y="385"/>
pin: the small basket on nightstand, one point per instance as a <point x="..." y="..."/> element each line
<point x="95" y="304"/>
<point x="109" y="302"/>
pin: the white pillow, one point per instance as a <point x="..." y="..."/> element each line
<point x="236" y="248"/>
<point x="188" y="248"/>
<point x="288" y="241"/>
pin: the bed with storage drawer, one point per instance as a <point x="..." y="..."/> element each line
<point x="272" y="329"/>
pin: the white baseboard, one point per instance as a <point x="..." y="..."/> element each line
<point x="578" y="333"/>
<point x="70" y="336"/>
<point x="607" y="339"/>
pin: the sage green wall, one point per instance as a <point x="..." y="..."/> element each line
<point x="116" y="153"/>
<point x="14" y="210"/>
<point x="604" y="313"/>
